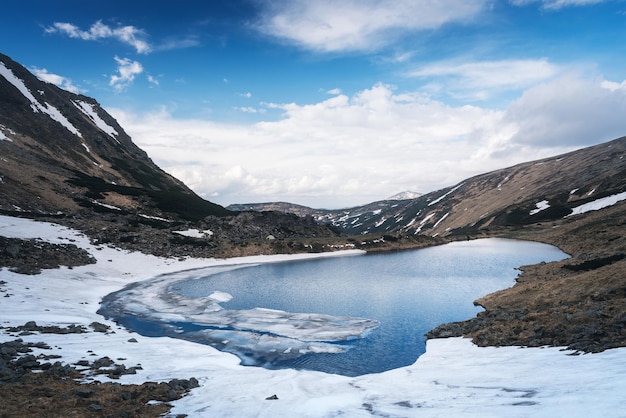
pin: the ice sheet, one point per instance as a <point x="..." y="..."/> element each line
<point x="257" y="333"/>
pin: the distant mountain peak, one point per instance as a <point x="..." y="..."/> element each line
<point x="405" y="196"/>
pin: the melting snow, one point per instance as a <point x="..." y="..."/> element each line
<point x="543" y="205"/>
<point x="598" y="204"/>
<point x="379" y="223"/>
<point x="89" y="110"/>
<point x="195" y="233"/>
<point x="3" y="136"/>
<point x="453" y="378"/>
<point x="104" y="205"/>
<point x="48" y="109"/>
<point x="153" y="217"/>
<point x="439" y="221"/>
<point x="439" y="199"/>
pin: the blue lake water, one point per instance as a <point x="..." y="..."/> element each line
<point x="407" y="292"/>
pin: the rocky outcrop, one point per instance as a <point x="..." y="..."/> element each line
<point x="53" y="390"/>
<point x="32" y="255"/>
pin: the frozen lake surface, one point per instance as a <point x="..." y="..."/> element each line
<point x="350" y="315"/>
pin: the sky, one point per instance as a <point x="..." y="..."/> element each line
<point x="335" y="103"/>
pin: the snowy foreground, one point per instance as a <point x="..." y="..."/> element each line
<point x="453" y="378"/>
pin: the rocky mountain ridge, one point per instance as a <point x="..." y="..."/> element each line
<point x="62" y="152"/>
<point x="523" y="194"/>
<point x="63" y="157"/>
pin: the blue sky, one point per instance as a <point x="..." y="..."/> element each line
<point x="336" y="103"/>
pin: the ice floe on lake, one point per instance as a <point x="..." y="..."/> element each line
<point x="260" y="334"/>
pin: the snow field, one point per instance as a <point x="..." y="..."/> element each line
<point x="453" y="378"/>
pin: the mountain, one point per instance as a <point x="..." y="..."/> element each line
<point x="404" y="196"/>
<point x="524" y="194"/>
<point x="62" y="152"/>
<point x="63" y="156"/>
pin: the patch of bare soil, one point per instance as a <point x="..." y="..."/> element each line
<point x="579" y="303"/>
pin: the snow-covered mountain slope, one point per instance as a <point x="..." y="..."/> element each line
<point x="524" y="194"/>
<point x="62" y="152"/>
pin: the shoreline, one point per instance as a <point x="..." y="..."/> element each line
<point x="67" y="296"/>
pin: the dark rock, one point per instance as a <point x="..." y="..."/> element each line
<point x="27" y="362"/>
<point x="98" y="327"/>
<point x="84" y="393"/>
<point x="95" y="407"/>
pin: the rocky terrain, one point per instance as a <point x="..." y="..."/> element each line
<point x="577" y="303"/>
<point x="39" y="386"/>
<point x="505" y="197"/>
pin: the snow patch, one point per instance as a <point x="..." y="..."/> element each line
<point x="195" y="233"/>
<point x="440" y="220"/>
<point x="89" y="110"/>
<point x="3" y="136"/>
<point x="439" y="199"/>
<point x="104" y="205"/>
<point x="598" y="204"/>
<point x="543" y="205"/>
<point x="46" y="108"/>
<point x="157" y="218"/>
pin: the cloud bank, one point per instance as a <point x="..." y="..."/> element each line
<point x="482" y="80"/>
<point x="352" y="25"/>
<point x="349" y="150"/>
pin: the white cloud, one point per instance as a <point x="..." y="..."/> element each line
<point x="480" y="80"/>
<point x="173" y="43"/>
<point x="557" y="4"/>
<point x="128" y="70"/>
<point x="58" y="80"/>
<point x="354" y="25"/>
<point x="569" y="110"/>
<point x="127" y="34"/>
<point x="250" y="109"/>
<point x="153" y="80"/>
<point x="349" y="150"/>
<point x="334" y="91"/>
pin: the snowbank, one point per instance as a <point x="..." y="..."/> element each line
<point x="453" y="378"/>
